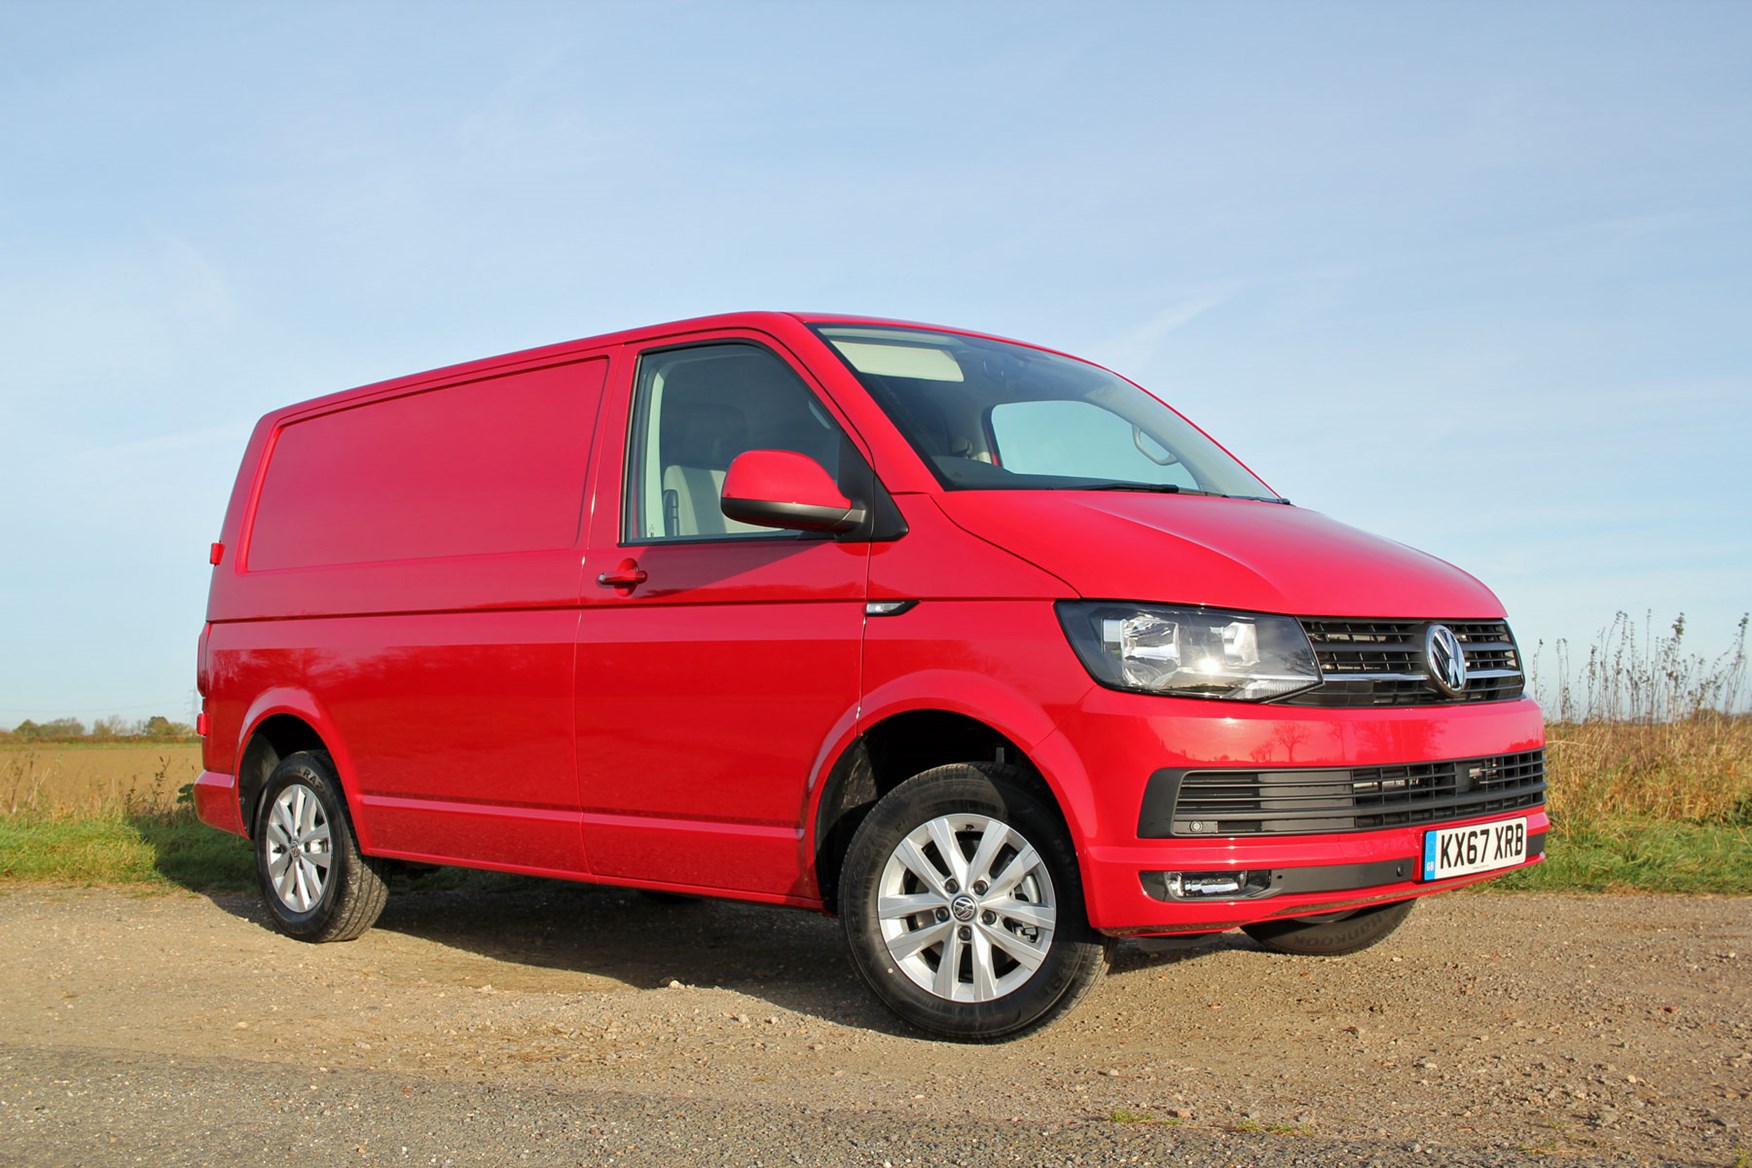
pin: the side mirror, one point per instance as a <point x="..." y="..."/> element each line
<point x="781" y="488"/>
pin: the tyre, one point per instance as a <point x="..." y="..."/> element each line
<point x="1333" y="934"/>
<point x="316" y="884"/>
<point x="963" y="906"/>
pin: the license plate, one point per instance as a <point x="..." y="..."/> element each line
<point x="1460" y="851"/>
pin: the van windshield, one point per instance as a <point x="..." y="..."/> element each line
<point x="987" y="415"/>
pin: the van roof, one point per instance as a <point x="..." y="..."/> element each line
<point x="777" y="323"/>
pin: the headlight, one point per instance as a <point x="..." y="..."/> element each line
<point x="1190" y="652"/>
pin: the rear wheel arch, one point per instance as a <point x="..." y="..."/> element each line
<point x="275" y="737"/>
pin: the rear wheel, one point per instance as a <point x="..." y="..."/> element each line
<point x="316" y="883"/>
<point x="1331" y="934"/>
<point x="963" y="905"/>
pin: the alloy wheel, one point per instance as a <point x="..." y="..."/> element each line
<point x="966" y="907"/>
<point x="299" y="847"/>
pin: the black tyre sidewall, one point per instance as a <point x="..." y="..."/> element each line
<point x="1077" y="953"/>
<point x="1341" y="938"/>
<point x="347" y="868"/>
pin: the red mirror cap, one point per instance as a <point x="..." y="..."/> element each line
<point x="781" y="488"/>
<point x="782" y="476"/>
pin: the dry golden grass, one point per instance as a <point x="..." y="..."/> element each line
<point x="1696" y="770"/>
<point x="61" y="780"/>
<point x="1648" y="764"/>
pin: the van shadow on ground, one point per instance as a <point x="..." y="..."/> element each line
<point x="792" y="959"/>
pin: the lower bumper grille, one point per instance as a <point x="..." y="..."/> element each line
<point x="1195" y="803"/>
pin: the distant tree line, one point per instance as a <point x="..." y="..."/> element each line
<point x="156" y="728"/>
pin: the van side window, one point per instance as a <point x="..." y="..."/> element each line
<point x="695" y="410"/>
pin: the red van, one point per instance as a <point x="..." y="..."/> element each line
<point x="976" y="644"/>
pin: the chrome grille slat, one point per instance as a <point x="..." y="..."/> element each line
<point x="1367" y="663"/>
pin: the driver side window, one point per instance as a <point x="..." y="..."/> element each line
<point x="694" y="411"/>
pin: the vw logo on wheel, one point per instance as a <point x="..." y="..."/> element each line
<point x="1445" y="660"/>
<point x="963" y="906"/>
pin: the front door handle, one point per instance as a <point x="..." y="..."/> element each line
<point x="628" y="575"/>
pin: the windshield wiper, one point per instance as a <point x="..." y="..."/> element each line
<point x="1150" y="488"/>
<point x="1176" y="489"/>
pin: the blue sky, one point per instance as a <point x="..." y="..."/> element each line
<point x="1475" y="276"/>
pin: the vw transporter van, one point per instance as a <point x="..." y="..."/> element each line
<point x="979" y="646"/>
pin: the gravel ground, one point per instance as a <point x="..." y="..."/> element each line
<point x="574" y="1025"/>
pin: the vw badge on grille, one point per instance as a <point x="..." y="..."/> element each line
<point x="1445" y="660"/>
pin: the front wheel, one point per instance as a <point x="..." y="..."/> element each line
<point x="1331" y="935"/>
<point x="316" y="883"/>
<point x="963" y="905"/>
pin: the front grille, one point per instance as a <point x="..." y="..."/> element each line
<point x="1297" y="802"/>
<point x="1381" y="663"/>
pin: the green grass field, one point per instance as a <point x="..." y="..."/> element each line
<point x="109" y="813"/>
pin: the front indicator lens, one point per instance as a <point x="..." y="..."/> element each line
<point x="1190" y="652"/>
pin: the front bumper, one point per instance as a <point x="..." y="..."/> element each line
<point x="1307" y="875"/>
<point x="1122" y="740"/>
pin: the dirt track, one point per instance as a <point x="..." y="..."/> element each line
<point x="570" y="1025"/>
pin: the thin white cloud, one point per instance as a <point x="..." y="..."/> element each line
<point x="1138" y="347"/>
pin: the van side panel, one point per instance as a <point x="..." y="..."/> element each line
<point x="411" y="564"/>
<point x="378" y="510"/>
<point x="452" y="731"/>
<point x="484" y="468"/>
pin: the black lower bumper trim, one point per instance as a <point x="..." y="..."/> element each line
<point x="1327" y="877"/>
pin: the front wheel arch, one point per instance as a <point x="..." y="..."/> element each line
<point x="888" y="752"/>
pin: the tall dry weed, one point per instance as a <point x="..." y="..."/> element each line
<point x="22" y="782"/>
<point x="1635" y="673"/>
<point x="1647" y="728"/>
